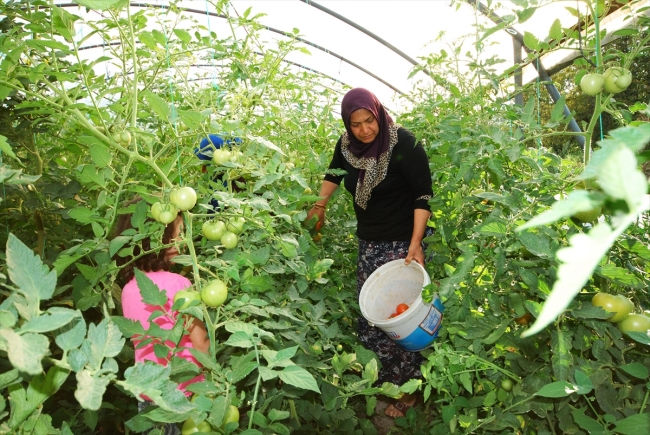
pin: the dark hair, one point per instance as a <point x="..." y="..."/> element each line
<point x="152" y="262"/>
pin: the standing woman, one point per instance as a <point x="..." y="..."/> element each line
<point x="387" y="173"/>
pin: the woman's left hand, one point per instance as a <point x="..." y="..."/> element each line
<point x="415" y="253"/>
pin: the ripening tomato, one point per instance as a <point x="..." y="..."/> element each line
<point x="229" y="240"/>
<point x="215" y="293"/>
<point x="617" y="304"/>
<point x="592" y="84"/>
<point x="190" y="427"/>
<point x="184" y="198"/>
<point x="524" y="320"/>
<point x="213" y="230"/>
<point x="589" y="215"/>
<point x="220" y="156"/>
<point x="393" y="315"/>
<point x="187" y="296"/>
<point x="317" y="238"/>
<point x="232" y="415"/>
<point x="319" y="225"/>
<point x="401" y="308"/>
<point x="634" y="323"/>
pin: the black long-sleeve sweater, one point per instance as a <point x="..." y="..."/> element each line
<point x="406" y="187"/>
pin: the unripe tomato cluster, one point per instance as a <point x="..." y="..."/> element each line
<point x="123" y="138"/>
<point x="399" y="310"/>
<point x="164" y="213"/>
<point x="612" y="81"/>
<point x="181" y="199"/>
<point x="225" y="232"/>
<point x="222" y="155"/>
<point x="622" y="307"/>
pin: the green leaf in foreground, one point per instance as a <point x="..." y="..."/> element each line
<point x="557" y="389"/>
<point x="633" y="425"/>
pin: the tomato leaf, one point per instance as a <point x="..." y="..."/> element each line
<point x="634" y="424"/>
<point x="587" y="423"/>
<point x="557" y="389"/>
<point x="299" y="377"/>
<point x="25" y="351"/>
<point x="561" y="358"/>
<point x="149" y="291"/>
<point x="635" y="369"/>
<point x="29" y="274"/>
<point x="583" y="383"/>
<point x="98" y="5"/>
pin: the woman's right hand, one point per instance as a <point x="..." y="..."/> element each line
<point x="320" y="214"/>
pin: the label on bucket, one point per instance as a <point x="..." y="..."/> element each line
<point x="423" y="335"/>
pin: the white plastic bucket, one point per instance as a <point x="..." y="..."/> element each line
<point x="395" y="283"/>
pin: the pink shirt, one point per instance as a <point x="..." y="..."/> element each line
<point x="134" y="309"/>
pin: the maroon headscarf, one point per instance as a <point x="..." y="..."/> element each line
<point x="372" y="159"/>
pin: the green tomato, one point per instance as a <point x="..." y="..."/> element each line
<point x="634" y="323"/>
<point x="236" y="224"/>
<point x="229" y="240"/>
<point x="166" y="217"/>
<point x="506" y="384"/>
<point x="187" y="296"/>
<point x="592" y="84"/>
<point x="232" y="416"/>
<point x="235" y="156"/>
<point x="617" y="79"/>
<point x="220" y="156"/>
<point x="589" y="215"/>
<point x="184" y="198"/>
<point x="125" y="138"/>
<point x="307" y="190"/>
<point x="156" y="209"/>
<point x="215" y="293"/>
<point x="116" y="137"/>
<point x="189" y="427"/>
<point x="213" y="230"/>
<point x="617" y="304"/>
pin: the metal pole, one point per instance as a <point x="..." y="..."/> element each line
<point x="543" y="74"/>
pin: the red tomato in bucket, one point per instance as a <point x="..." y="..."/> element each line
<point x="401" y="308"/>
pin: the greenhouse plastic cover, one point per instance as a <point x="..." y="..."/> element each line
<point x="358" y="47"/>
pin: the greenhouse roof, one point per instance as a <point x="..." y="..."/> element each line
<point x="378" y="44"/>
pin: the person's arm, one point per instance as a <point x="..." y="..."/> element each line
<point x="420" y="218"/>
<point x="199" y="336"/>
<point x="326" y="191"/>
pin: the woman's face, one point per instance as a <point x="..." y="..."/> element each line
<point x="364" y="125"/>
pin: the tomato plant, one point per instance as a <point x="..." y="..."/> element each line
<point x="617" y="304"/>
<point x="592" y="84"/>
<point x="229" y="240"/>
<point x="183" y="198"/>
<point x="215" y="293"/>
<point x="213" y="230"/>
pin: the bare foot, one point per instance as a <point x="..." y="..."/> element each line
<point x="407" y="400"/>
